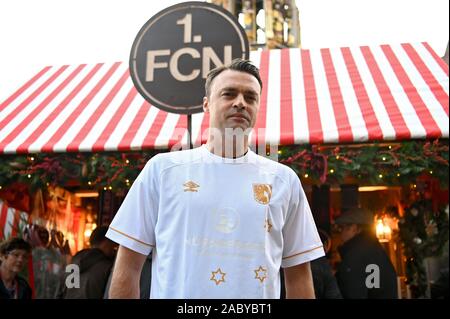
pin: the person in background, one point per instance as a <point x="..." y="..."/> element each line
<point x="359" y="250"/>
<point x="14" y="254"/>
<point x="325" y="284"/>
<point x="95" y="265"/>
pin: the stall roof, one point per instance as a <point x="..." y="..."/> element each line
<point x="341" y="95"/>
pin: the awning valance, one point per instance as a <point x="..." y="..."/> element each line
<point x="342" y="95"/>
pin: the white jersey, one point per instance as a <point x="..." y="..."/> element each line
<point x="218" y="228"/>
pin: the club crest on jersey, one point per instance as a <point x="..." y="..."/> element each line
<point x="190" y="186"/>
<point x="262" y="193"/>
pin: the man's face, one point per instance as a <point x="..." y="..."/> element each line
<point x="234" y="100"/>
<point x="15" y="260"/>
<point x="348" y="231"/>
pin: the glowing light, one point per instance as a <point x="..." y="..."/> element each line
<point x="380" y="176"/>
<point x="383" y="231"/>
<point x="306" y="175"/>
<point x="331" y="171"/>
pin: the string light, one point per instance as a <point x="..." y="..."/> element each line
<point x="380" y="176"/>
<point x="431" y="172"/>
<point x="331" y="171"/>
<point x="384" y="158"/>
<point x="89" y="183"/>
<point x="31" y="158"/>
<point x="280" y="152"/>
<point x="29" y="176"/>
<point x="398" y="174"/>
<point x="127" y="161"/>
<point x="48" y="184"/>
<point x="306" y="175"/>
<point x="127" y="181"/>
<point x="390" y="146"/>
<point x="110" y="187"/>
<point x="1" y="187"/>
<point x="104" y="188"/>
<point x="337" y="157"/>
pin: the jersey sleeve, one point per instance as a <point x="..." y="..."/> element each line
<point x="301" y="240"/>
<point x="134" y="224"/>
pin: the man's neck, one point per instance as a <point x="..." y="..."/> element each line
<point x="227" y="150"/>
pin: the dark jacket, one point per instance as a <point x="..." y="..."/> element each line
<point x="24" y="290"/>
<point x="352" y="273"/>
<point x="95" y="267"/>
<point x="325" y="285"/>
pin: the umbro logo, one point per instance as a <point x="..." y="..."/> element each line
<point x="190" y="186"/>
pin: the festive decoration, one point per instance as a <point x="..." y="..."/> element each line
<point x="423" y="234"/>
<point x="110" y="171"/>
<point x="395" y="164"/>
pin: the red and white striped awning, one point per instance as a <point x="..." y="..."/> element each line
<point x="11" y="221"/>
<point x="387" y="92"/>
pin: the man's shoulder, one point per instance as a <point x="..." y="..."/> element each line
<point x="173" y="158"/>
<point x="275" y="167"/>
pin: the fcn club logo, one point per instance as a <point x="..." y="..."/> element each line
<point x="262" y="193"/>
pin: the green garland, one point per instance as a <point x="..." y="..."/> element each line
<point x="108" y="171"/>
<point x="423" y="233"/>
<point x="395" y="164"/>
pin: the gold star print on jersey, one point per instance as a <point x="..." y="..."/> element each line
<point x="190" y="186"/>
<point x="261" y="273"/>
<point x="268" y="225"/>
<point x="218" y="274"/>
<point x="262" y="193"/>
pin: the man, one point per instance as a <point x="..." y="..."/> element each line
<point x="359" y="250"/>
<point x="220" y="220"/>
<point x="14" y="254"/>
<point x="95" y="266"/>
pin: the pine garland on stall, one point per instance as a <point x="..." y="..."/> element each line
<point x="423" y="233"/>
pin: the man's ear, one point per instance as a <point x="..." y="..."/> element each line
<point x="205" y="105"/>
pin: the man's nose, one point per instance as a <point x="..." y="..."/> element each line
<point x="239" y="102"/>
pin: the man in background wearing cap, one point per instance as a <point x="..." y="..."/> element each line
<point x="359" y="250"/>
<point x="95" y="266"/>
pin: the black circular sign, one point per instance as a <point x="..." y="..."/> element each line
<point x="174" y="51"/>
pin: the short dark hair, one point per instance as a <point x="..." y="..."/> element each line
<point x="240" y="65"/>
<point x="98" y="235"/>
<point x="14" y="243"/>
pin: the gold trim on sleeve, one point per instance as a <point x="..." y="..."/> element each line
<point x="128" y="236"/>
<point x="304" y="252"/>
